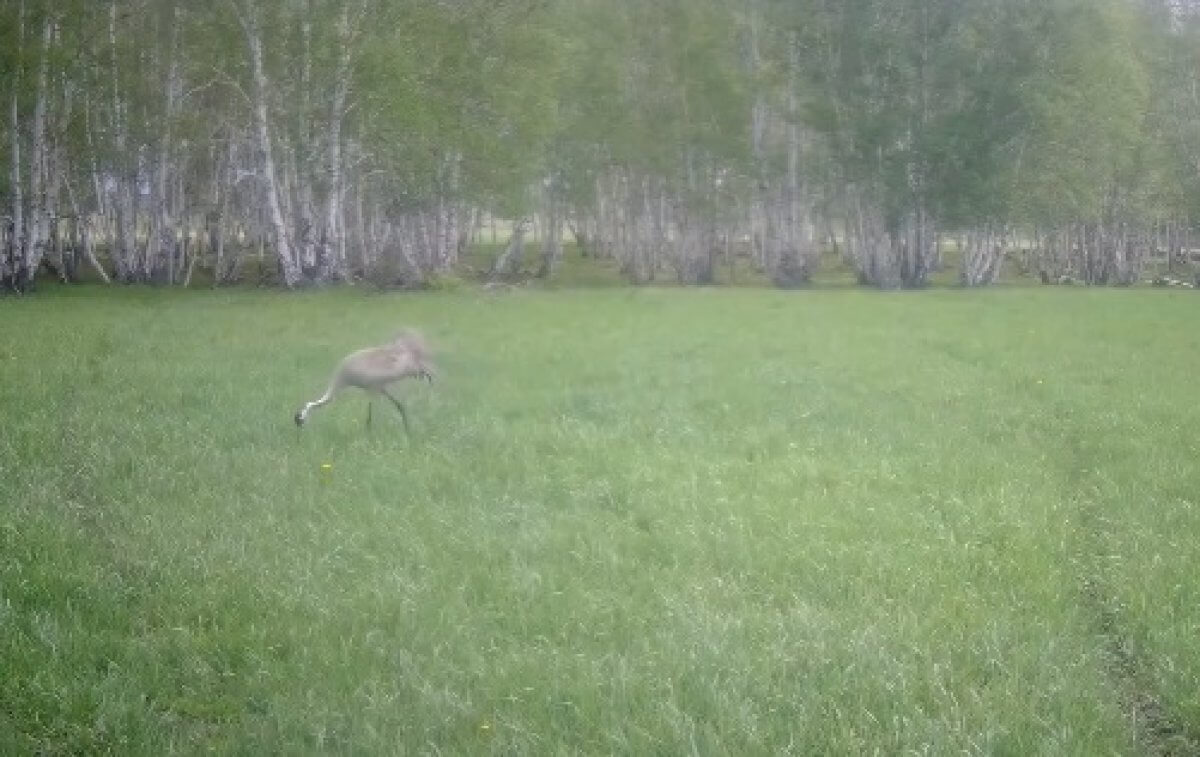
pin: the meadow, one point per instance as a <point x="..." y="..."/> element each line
<point x="628" y="521"/>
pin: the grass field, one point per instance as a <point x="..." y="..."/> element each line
<point x="628" y="521"/>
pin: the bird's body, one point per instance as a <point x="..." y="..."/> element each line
<point x="375" y="367"/>
<point x="372" y="369"/>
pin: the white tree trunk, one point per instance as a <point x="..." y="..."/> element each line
<point x="288" y="265"/>
<point x="10" y="274"/>
<point x="38" y="234"/>
<point x="552" y="243"/>
<point x="123" y="247"/>
<point x="167" y="234"/>
<point x="83" y="224"/>
<point x="982" y="255"/>
<point x="333" y="255"/>
<point x="302" y="160"/>
<point x="509" y="261"/>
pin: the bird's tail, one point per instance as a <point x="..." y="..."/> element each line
<point x="414" y="342"/>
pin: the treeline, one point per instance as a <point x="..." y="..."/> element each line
<point x="149" y="139"/>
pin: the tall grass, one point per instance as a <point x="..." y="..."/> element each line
<point x="630" y="521"/>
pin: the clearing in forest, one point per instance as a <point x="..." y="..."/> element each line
<point x="635" y="522"/>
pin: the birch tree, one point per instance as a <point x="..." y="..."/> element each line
<point x="316" y="141"/>
<point x="13" y="275"/>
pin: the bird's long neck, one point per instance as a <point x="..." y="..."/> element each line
<point x="302" y="415"/>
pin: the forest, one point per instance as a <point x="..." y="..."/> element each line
<point x="170" y="142"/>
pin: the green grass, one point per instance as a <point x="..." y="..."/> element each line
<point x="629" y="521"/>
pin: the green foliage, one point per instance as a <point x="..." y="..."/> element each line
<point x="1020" y="112"/>
<point x="1006" y="113"/>
<point x="444" y="282"/>
<point x="657" y="88"/>
<point x="458" y="98"/>
<point x="1087" y="102"/>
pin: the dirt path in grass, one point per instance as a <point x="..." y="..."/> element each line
<point x="1155" y="732"/>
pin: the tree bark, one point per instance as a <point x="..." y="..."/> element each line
<point x="982" y="256"/>
<point x="37" y="236"/>
<point x="123" y="249"/>
<point x="552" y="243"/>
<point x="167" y="233"/>
<point x="11" y="275"/>
<point x="82" y="224"/>
<point x="333" y="247"/>
<point x="509" y="261"/>
<point x="288" y="265"/>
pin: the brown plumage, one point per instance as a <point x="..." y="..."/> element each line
<point x="374" y="368"/>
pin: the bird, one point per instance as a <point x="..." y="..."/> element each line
<point x="372" y="369"/>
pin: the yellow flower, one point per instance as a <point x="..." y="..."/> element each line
<point x="326" y="467"/>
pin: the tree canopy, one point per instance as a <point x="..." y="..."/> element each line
<point x="369" y="137"/>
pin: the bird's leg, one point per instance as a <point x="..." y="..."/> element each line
<point x="370" y="404"/>
<point x="399" y="406"/>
